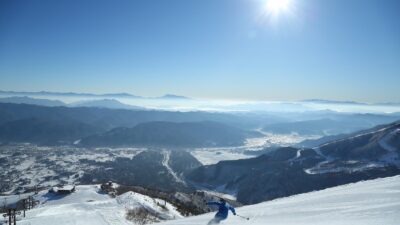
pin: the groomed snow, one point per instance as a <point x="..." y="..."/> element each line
<point x="375" y="202"/>
<point x="85" y="206"/>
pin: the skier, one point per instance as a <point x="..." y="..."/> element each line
<point x="223" y="209"/>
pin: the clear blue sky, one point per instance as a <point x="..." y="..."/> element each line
<point x="229" y="49"/>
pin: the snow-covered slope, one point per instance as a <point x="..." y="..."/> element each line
<point x="374" y="202"/>
<point x="88" y="206"/>
<point x="163" y="209"/>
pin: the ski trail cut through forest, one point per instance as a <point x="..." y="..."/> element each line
<point x="165" y="163"/>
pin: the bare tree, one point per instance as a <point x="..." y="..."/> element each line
<point x="141" y="216"/>
<point x="4" y="203"/>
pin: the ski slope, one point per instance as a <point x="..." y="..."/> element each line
<point x="88" y="206"/>
<point x="374" y="202"/>
<point x="165" y="163"/>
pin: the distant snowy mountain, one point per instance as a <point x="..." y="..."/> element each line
<point x="324" y="101"/>
<point x="119" y="95"/>
<point x="173" y="97"/>
<point x="374" y="202"/>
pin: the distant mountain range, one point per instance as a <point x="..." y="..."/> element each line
<point x="324" y="101"/>
<point x="97" y="103"/>
<point x="176" y="97"/>
<point x="70" y="94"/>
<point x="105" y="103"/>
<point x="333" y="125"/>
<point x="288" y="171"/>
<point x="32" y="101"/>
<point x="187" y="134"/>
<point x="104" y="125"/>
<point x="45" y="131"/>
<point x="73" y="94"/>
<point x="55" y="125"/>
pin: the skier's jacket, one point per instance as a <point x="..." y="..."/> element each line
<point x="223" y="209"/>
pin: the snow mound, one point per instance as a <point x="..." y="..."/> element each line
<point x="164" y="210"/>
<point x="373" y="202"/>
<point x="88" y="205"/>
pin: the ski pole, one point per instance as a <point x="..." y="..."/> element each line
<point x="247" y="218"/>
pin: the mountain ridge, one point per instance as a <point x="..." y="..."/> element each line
<point x="184" y="134"/>
<point x="288" y="171"/>
<point x="75" y="94"/>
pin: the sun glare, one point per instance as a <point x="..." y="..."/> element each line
<point x="277" y="6"/>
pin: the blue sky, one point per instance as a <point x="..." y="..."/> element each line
<point x="221" y="49"/>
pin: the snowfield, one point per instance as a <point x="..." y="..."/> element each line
<point x="131" y="200"/>
<point x="88" y="206"/>
<point x="213" y="155"/>
<point x="374" y="202"/>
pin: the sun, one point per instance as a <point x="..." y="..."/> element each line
<point x="274" y="12"/>
<point x="277" y="6"/>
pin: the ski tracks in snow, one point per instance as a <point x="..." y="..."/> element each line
<point x="317" y="169"/>
<point x="383" y="142"/>
<point x="165" y="163"/>
<point x="392" y="156"/>
<point x="356" y="136"/>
